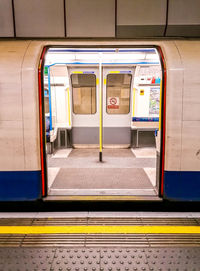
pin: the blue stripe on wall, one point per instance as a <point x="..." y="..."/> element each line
<point x="20" y="185"/>
<point x="145" y="119"/>
<point x="182" y="185"/>
<point x="26" y="185"/>
<point x="55" y="50"/>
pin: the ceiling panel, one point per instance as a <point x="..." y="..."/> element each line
<point x="6" y="19"/>
<point x="184" y="18"/>
<point x="140" y="18"/>
<point x="90" y="18"/>
<point x="39" y="18"/>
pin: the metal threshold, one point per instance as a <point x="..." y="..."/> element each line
<point x="102" y="198"/>
<point x="102" y="192"/>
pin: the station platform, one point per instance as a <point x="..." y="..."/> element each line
<point x="100" y="241"/>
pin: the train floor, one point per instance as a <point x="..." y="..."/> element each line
<point x="100" y="241"/>
<point x="123" y="171"/>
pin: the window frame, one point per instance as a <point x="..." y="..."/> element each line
<point x="85" y="114"/>
<point x="131" y="76"/>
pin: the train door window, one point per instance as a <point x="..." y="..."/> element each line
<point x="118" y="93"/>
<point x="84" y="93"/>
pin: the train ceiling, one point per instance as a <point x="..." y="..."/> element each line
<point x="105" y="56"/>
<point x="99" y="18"/>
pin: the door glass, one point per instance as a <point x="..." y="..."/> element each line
<point x="118" y="93"/>
<point x="84" y="93"/>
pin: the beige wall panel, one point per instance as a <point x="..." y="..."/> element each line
<point x="31" y="107"/>
<point x="173" y="146"/>
<point x="190" y="55"/>
<point x="90" y="18"/>
<point x="173" y="119"/>
<point x="11" y="57"/>
<point x="11" y="146"/>
<point x="191" y="98"/>
<point x="11" y="110"/>
<point x="190" y="159"/>
<point x="6" y="19"/>
<point x="39" y="18"/>
<point x="174" y="90"/>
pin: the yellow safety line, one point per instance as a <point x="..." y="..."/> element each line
<point x="160" y="109"/>
<point x="133" y="113"/>
<point x="68" y="101"/>
<point x="99" y="229"/>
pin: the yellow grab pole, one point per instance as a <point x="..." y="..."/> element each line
<point x="100" y="111"/>
<point x="133" y="107"/>
<point x="68" y="102"/>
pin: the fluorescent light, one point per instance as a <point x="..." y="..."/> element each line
<point x="107" y="57"/>
<point x="152" y="56"/>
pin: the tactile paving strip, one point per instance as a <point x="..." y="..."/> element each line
<point x="50" y="221"/>
<point x="100" y="259"/>
<point x="100" y="240"/>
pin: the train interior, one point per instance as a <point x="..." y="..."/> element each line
<point x="103" y="121"/>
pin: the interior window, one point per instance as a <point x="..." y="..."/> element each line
<point x="84" y="93"/>
<point x="118" y="93"/>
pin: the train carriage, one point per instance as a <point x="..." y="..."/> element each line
<point x="85" y="118"/>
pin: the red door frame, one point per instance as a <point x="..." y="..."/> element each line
<point x="42" y="123"/>
<point x="163" y="121"/>
<point x="42" y="119"/>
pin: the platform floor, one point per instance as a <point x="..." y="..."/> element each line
<point x="95" y="259"/>
<point x="86" y="251"/>
<point x="122" y="169"/>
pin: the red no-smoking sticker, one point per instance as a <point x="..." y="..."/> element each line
<point x="113" y="103"/>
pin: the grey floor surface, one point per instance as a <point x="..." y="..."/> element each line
<point x="120" y="170"/>
<point x="106" y="153"/>
<point x="105" y="178"/>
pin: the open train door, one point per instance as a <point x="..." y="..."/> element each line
<point x="85" y="107"/>
<point x="102" y="96"/>
<point x="58" y="121"/>
<point x="117" y="93"/>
